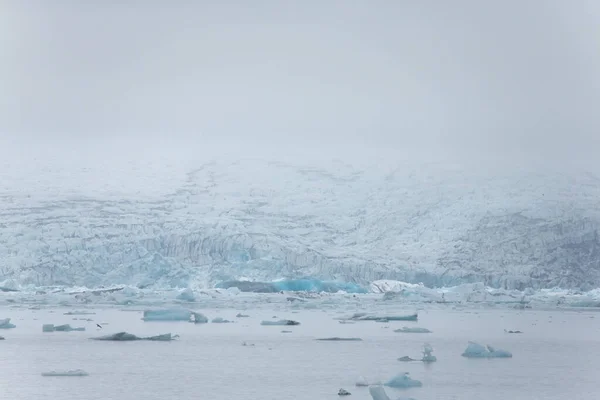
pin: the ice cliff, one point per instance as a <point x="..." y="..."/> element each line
<point x="264" y="220"/>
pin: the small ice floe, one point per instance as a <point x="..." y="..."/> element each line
<point x="128" y="337"/>
<point x="505" y="331"/>
<point x="5" y="324"/>
<point x="286" y="331"/>
<point x="74" y="372"/>
<point x="280" y="322"/>
<point x="475" y="350"/>
<point x="246" y="344"/>
<point x="79" y="313"/>
<point x="2" y="338"/>
<point x="340" y="339"/>
<point x="220" y="320"/>
<point x="60" y="328"/>
<point x="345" y="322"/>
<point x="343" y="392"/>
<point x="240" y="315"/>
<point x="362" y="382"/>
<point x="416" y="329"/>
<point x="403" y="381"/>
<point x="427" y="356"/>
<point x="406" y="358"/>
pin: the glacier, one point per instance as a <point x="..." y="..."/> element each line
<point x="195" y="224"/>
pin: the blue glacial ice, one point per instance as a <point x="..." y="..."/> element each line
<point x="74" y="372"/>
<point x="128" y="337"/>
<point x="280" y="322"/>
<point x="60" y="328"/>
<point x="294" y="285"/>
<point x="172" y="314"/>
<point x="5" y="324"/>
<point x="416" y="329"/>
<point x="475" y="350"/>
<point x="403" y="381"/>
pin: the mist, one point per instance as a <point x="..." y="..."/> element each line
<point x="467" y="78"/>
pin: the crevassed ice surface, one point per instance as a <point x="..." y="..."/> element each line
<point x="196" y="222"/>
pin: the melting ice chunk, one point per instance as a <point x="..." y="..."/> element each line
<point x="172" y="314"/>
<point x="362" y="381"/>
<point x="220" y="320"/>
<point x="415" y="329"/>
<point x="127" y="337"/>
<point x="475" y="350"/>
<point x="280" y="322"/>
<point x="199" y="318"/>
<point x="403" y="381"/>
<point x="60" y="328"/>
<point x="5" y="324"/>
<point x="75" y="372"/>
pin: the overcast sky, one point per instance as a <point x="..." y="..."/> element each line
<point x="498" y="76"/>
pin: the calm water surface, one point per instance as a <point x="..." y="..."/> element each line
<point x="557" y="357"/>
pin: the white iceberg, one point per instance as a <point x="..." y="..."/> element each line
<point x="280" y="322"/>
<point x="475" y="350"/>
<point x="427" y="356"/>
<point x="403" y="381"/>
<point x="5" y="324"/>
<point x="416" y="329"/>
<point x="75" y="372"/>
<point x="60" y="328"/>
<point x="172" y="314"/>
<point x="377" y="392"/>
<point x="199" y="318"/>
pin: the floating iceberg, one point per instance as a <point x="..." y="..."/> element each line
<point x="128" y="337"/>
<point x="378" y="393"/>
<point x="199" y="318"/>
<point x="1" y="337"/>
<point x="220" y="320"/>
<point x="475" y="350"/>
<point x="240" y="315"/>
<point x="406" y="359"/>
<point x="403" y="381"/>
<point x="79" y="313"/>
<point x="427" y="356"/>
<point x="362" y="381"/>
<point x="186" y="295"/>
<point x="60" y="328"/>
<point x="366" y="317"/>
<point x="280" y="322"/>
<point x="75" y="372"/>
<point x="343" y="392"/>
<point x="407" y="329"/>
<point x="341" y="339"/>
<point x="5" y="324"/>
<point x="173" y="314"/>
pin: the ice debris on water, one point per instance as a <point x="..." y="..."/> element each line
<point x="427" y="356"/>
<point x="406" y="358"/>
<point x="240" y="315"/>
<point x="280" y="322"/>
<point x="512" y="331"/>
<point x="475" y="350"/>
<point x="403" y="381"/>
<point x="220" y="320"/>
<point x="127" y="337"/>
<point x="344" y="392"/>
<point x="415" y="329"/>
<point x="362" y="381"/>
<point x="341" y="339"/>
<point x="60" y="328"/>
<point x="172" y="314"/>
<point x="5" y="324"/>
<point x="186" y="295"/>
<point x="74" y="372"/>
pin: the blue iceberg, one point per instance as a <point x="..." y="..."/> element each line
<point x="475" y="350"/>
<point x="5" y="324"/>
<point x="377" y="392"/>
<point x="406" y="329"/>
<point x="403" y="381"/>
<point x="173" y="314"/>
<point x="60" y="328"/>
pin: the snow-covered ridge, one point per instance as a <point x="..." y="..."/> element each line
<point x="264" y="220"/>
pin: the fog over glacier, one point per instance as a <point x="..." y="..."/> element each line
<point x="190" y="144"/>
